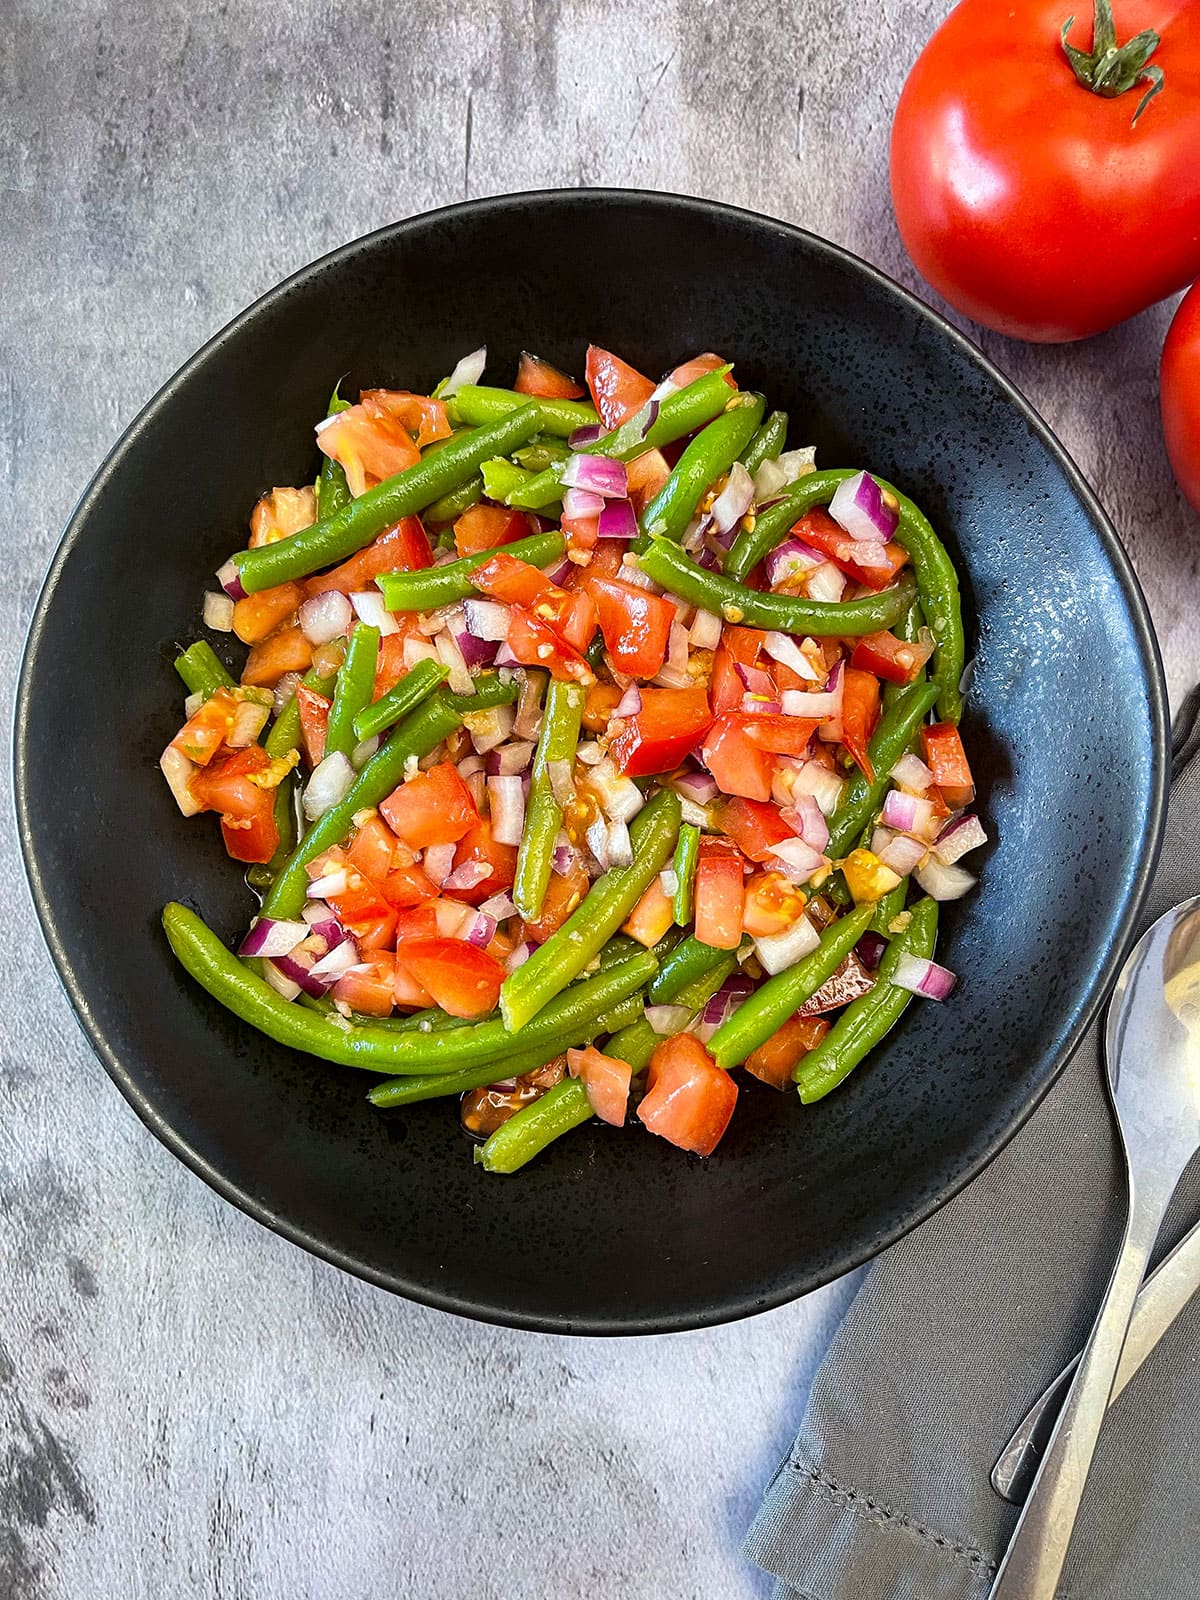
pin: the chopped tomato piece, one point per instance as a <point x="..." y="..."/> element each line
<point x="606" y="1080"/>
<point x="689" y="371"/>
<point x="282" y="513"/>
<point x="373" y="850"/>
<point x="535" y="376"/>
<point x="251" y="839"/>
<point x="406" y="886"/>
<point x="486" y="527"/>
<point x="571" y="613"/>
<point x="755" y="826"/>
<point x="247" y="808"/>
<point x="389" y="663"/>
<point x="602" y="700"/>
<point x="404" y="547"/>
<point x="780" y="735"/>
<point x="260" y="614"/>
<point x="564" y="893"/>
<point x="435" y="807"/>
<point x="285" y="651"/>
<point x="617" y="389"/>
<point x="888" y="657"/>
<point x="462" y="980"/>
<point x="314" y="722"/>
<point x="410" y="996"/>
<point x="947" y="760"/>
<point x="370" y="443"/>
<point x="689" y="1100"/>
<point x="581" y="529"/>
<point x="644" y="476"/>
<point x="651" y="917"/>
<point x="773" y="903"/>
<point x="420" y="414"/>
<point x="536" y="644"/>
<point x="738" y="647"/>
<point x="363" y="910"/>
<point x="860" y="713"/>
<point x="773" y="1062"/>
<point x="738" y="766"/>
<point x="720" y="896"/>
<point x="206" y="730"/>
<point x="477" y="844"/>
<point x="817" y="528"/>
<point x="656" y="738"/>
<point x="418" y="922"/>
<point x="636" y="625"/>
<point x="370" y="991"/>
<point x="606" y="561"/>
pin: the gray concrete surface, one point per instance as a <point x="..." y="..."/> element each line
<point x="189" y="1406"/>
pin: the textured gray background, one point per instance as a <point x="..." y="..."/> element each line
<point x="189" y="1406"/>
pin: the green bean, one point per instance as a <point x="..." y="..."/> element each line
<point x="769" y="1007"/>
<point x="541" y="453"/>
<point x="443" y="586"/>
<point x="437" y="1085"/>
<point x="634" y="1044"/>
<point x="666" y="563"/>
<point x="773" y="524"/>
<point x="333" y="491"/>
<point x="609" y="901"/>
<point x="888" y="743"/>
<point x="352" y="693"/>
<point x="866" y="1020"/>
<point x="451" y="506"/>
<point x="699" y="991"/>
<point x="282" y="738"/>
<point x="619" y="948"/>
<point x="688" y="961"/>
<point x="679" y="414"/>
<point x="709" y="456"/>
<point x="388" y="1050"/>
<point x="687" y="854"/>
<point x="909" y="629"/>
<point x="889" y="908"/>
<point x="767" y="444"/>
<point x="420" y="732"/>
<point x="200" y="670"/>
<point x="527" y="1134"/>
<point x="414" y="687"/>
<point x="623" y="1015"/>
<point x="544" y="817"/>
<point x="501" y="477"/>
<point x="477" y="404"/>
<point x="337" y="537"/>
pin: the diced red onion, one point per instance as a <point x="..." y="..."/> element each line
<point x="281" y="984"/>
<point x="468" y="371"/>
<point x="270" y="938"/>
<point x="285" y="691"/>
<point x="451" y="657"/>
<point x="631" y="572"/>
<point x="789" y="559"/>
<point x="488" y="729"/>
<point x="433" y="623"/>
<point x="817" y="780"/>
<point x="815" y="705"/>
<point x="705" y="632"/>
<point x="677" y="648"/>
<point x="249" y="720"/>
<point x="922" y="977"/>
<point x="756" y="681"/>
<point x="417" y="649"/>
<point x="300" y="972"/>
<point x="589" y="433"/>
<point x="902" y="854"/>
<point x="505" y="657"/>
<point x="475" y="652"/>
<point x="912" y="773"/>
<point x="509" y="760"/>
<point x="774" y="476"/>
<point x="487" y="619"/>
<point x="649" y="412"/>
<point x="941" y="882"/>
<point x="763" y="708"/>
<point x="617" y="521"/>
<point x="500" y="906"/>
<point x="870" y="949"/>
<point x="562" y="784"/>
<point x="469" y="876"/>
<point x="477" y="789"/>
<point x="857" y="506"/>
<point x="908" y="813"/>
<point x="620" y="846"/>
<point x="520" y="955"/>
<point x="597" y="842"/>
<point x="589" y="752"/>
<point x="193" y="702"/>
<point x="779" y="950"/>
<point x="958" y="837"/>
<point x="331" y="883"/>
<point x="582" y="503"/>
<point x="230" y="580"/>
<point x="322" y="922"/>
<point x="335" y="962"/>
<point x="808" y="821"/>
<point x="667" y="1020"/>
<point x="528" y="721"/>
<point x="734" y="500"/>
<point x="507" y="800"/>
<point x="728" y="997"/>
<point x="619" y="796"/>
<point x="699" y="787"/>
<point x="561" y="572"/>
<point x="784" y="649"/>
<point x="329" y="784"/>
<point x="826" y="582"/>
<point x="325" y="616"/>
<point x="438" y="863"/>
<point x="796" y="859"/>
<point x="369" y="608"/>
<point x="217" y="612"/>
<point x="869" y="554"/>
<point x="563" y="858"/>
<point x="452" y="917"/>
<point x="480" y="930"/>
<point x="470" y="764"/>
<point x="597" y="475"/>
<point x="363" y="751"/>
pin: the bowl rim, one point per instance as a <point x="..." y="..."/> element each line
<point x="1086" y="1009"/>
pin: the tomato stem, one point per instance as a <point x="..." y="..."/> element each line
<point x="1110" y="69"/>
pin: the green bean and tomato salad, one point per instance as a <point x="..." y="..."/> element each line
<point x="589" y="745"/>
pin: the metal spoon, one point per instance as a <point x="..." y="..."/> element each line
<point x="1164" y="1294"/>
<point x="1152" y="1042"/>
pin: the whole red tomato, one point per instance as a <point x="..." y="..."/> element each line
<point x="1179" y="389"/>
<point x="1037" y="205"/>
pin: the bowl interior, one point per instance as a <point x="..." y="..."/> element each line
<point x="608" y="1231"/>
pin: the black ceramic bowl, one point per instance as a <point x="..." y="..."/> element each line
<point x="609" y="1232"/>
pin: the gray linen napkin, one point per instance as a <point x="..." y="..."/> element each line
<point x="956" y="1331"/>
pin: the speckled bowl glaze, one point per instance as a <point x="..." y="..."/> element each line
<point x="609" y="1232"/>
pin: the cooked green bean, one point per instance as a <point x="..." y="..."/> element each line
<point x="200" y="670"/>
<point x="890" y="740"/>
<point x="866" y="1020"/>
<point x="332" y="489"/>
<point x="445" y="585"/>
<point x="501" y="477"/>
<point x="609" y="901"/>
<point x="709" y="456"/>
<point x="666" y="563"/>
<point x="774" y="522"/>
<point x="416" y="685"/>
<point x="478" y="404"/>
<point x="437" y="1085"/>
<point x="689" y="961"/>
<point x="634" y="1044"/>
<point x="452" y="505"/>
<point x="337" y="537"/>
<point x="536" y="1125"/>
<point x="544" y="816"/>
<point x="909" y="629"/>
<point x="687" y="855"/>
<point x="767" y="444"/>
<point x="353" y="690"/>
<point x="769" y="1007"/>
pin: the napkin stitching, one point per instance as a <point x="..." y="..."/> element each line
<point x="864" y="1505"/>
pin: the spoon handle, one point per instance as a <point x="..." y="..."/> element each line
<point x="1034" y="1559"/>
